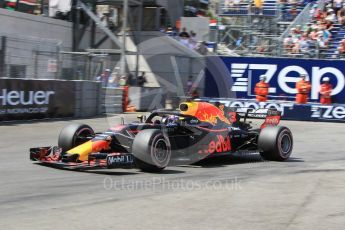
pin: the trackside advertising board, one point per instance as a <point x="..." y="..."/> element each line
<point x="22" y="99"/>
<point x="239" y="75"/>
<point x="290" y="110"/>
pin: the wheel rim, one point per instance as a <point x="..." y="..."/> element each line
<point x="81" y="135"/>
<point x="285" y="144"/>
<point x="161" y="152"/>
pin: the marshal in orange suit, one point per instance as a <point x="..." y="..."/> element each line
<point x="261" y="89"/>
<point x="325" y="92"/>
<point x="303" y="89"/>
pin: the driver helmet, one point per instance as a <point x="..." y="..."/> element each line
<point x="172" y="119"/>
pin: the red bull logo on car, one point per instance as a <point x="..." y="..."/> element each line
<point x="220" y="145"/>
<point x="205" y="112"/>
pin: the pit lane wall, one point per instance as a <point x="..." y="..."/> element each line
<point x="25" y="99"/>
<point x="290" y="110"/>
<point x="235" y="77"/>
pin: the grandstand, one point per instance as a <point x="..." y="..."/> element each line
<point x="264" y="28"/>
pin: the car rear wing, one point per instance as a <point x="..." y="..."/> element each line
<point x="272" y="116"/>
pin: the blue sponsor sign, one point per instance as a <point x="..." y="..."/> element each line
<point x="290" y="110"/>
<point x="239" y="75"/>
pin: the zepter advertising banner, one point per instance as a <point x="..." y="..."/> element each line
<point x="243" y="73"/>
<point x="22" y="99"/>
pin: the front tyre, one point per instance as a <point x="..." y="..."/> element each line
<point x="152" y="150"/>
<point x="275" y="143"/>
<point x="73" y="135"/>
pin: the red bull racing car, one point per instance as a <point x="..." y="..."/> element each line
<point x="196" y="131"/>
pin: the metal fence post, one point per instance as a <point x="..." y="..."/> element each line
<point x="2" y="56"/>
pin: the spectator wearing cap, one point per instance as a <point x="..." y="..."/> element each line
<point x="331" y="15"/>
<point x="326" y="91"/>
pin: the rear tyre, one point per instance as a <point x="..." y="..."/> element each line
<point x="152" y="150"/>
<point x="275" y="143"/>
<point x="73" y="135"/>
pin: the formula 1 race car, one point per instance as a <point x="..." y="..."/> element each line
<point x="196" y="131"/>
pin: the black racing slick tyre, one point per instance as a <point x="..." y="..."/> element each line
<point x="73" y="135"/>
<point x="275" y="143"/>
<point x="152" y="150"/>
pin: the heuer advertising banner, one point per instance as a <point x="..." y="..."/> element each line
<point x="22" y="99"/>
<point x="240" y="74"/>
<point x="290" y="110"/>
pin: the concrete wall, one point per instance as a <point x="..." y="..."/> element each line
<point x="33" y="40"/>
<point x="27" y="25"/>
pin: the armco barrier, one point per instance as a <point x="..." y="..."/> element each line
<point x="238" y="75"/>
<point x="290" y="110"/>
<point x="25" y="99"/>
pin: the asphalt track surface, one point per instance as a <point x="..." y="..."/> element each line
<point x="307" y="192"/>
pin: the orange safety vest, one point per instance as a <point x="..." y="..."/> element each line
<point x="303" y="88"/>
<point x="261" y="91"/>
<point x="325" y="91"/>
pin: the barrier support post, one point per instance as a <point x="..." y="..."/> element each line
<point x="2" y="56"/>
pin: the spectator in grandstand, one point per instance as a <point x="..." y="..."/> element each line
<point x="229" y="3"/>
<point x="258" y="4"/>
<point x="288" y="43"/>
<point x="284" y="7"/>
<point x="298" y="29"/>
<point x="293" y="13"/>
<point x="337" y="5"/>
<point x="321" y="42"/>
<point x="296" y="46"/>
<point x="331" y="15"/>
<point x="341" y="16"/>
<point x="304" y="43"/>
<point x="313" y="34"/>
<point x="326" y="91"/>
<point x="326" y="34"/>
<point x="341" y="48"/>
<point x="317" y="13"/>
<point x="236" y="4"/>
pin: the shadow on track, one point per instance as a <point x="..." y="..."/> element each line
<point x="109" y="172"/>
<point x="223" y="161"/>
